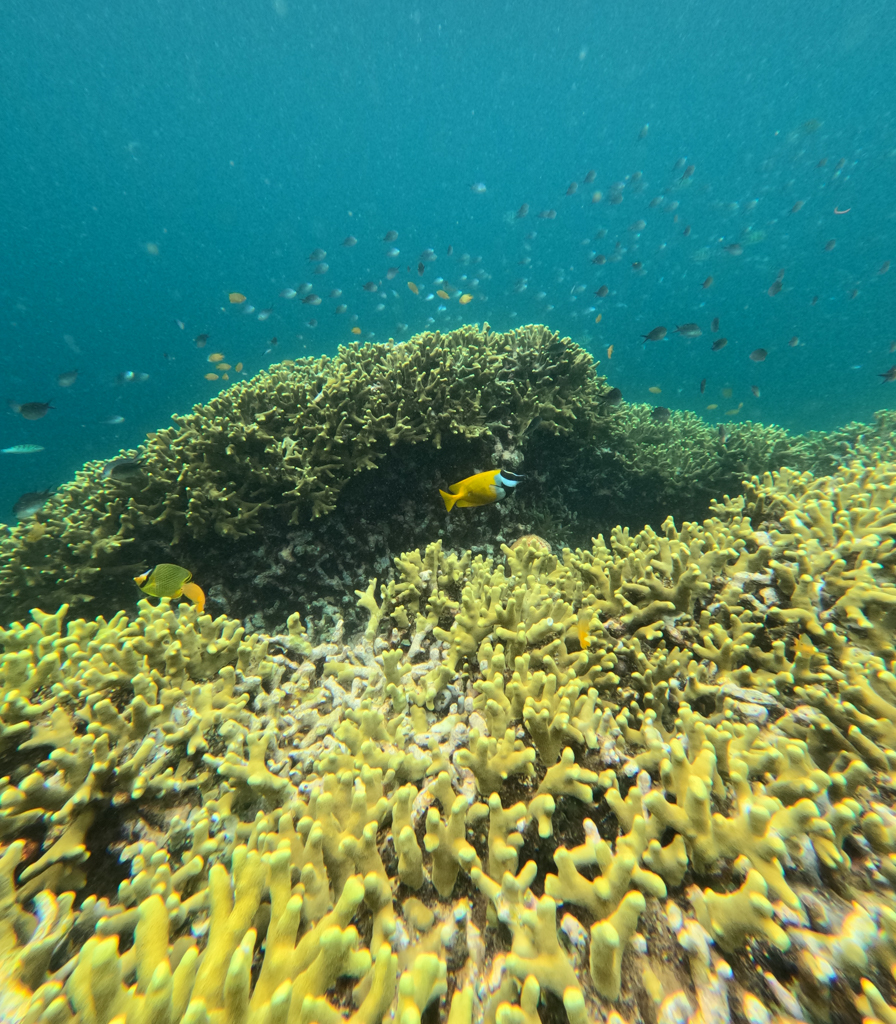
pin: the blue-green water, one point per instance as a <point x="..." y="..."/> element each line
<point x="158" y="156"/>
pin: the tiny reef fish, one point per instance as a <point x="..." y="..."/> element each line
<point x="480" y="489"/>
<point x="32" y="410"/>
<point x="30" y="504"/>
<point x="124" y="469"/>
<point x="582" y="630"/>
<point x="169" y="580"/>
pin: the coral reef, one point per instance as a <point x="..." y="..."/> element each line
<point x="277" y="452"/>
<point x="301" y="483"/>
<point x="646" y="780"/>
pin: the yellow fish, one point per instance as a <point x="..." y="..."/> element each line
<point x="442" y="294"/>
<point x="804" y="647"/>
<point x="168" y="580"/>
<point x="215" y="357"/>
<point x="655" y="391"/>
<point x="465" y="298"/>
<point x="239" y="367"/>
<point x="211" y="376"/>
<point x="583" y="628"/>
<point x="413" y="288"/>
<point x="236" y="298"/>
<point x="481" y="489"/>
<point x="356" y="330"/>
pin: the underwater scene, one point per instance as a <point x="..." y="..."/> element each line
<point x="448" y="513"/>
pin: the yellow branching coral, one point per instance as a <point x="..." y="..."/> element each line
<point x="332" y="830"/>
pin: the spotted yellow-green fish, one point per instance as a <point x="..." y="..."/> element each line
<point x="481" y="489"/>
<point x="168" y="580"/>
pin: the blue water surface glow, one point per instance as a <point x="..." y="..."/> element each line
<point x="158" y="156"/>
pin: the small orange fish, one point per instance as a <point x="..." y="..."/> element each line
<point x="413" y="288"/>
<point x="225" y="376"/>
<point x="224" y="366"/>
<point x="734" y="412"/>
<point x="711" y="406"/>
<point x="216" y="357"/>
<point x="211" y="376"/>
<point x="356" y="330"/>
<point x="236" y="298"/>
<point x="655" y="391"/>
<point x="465" y="298"/>
<point x="598" y="318"/>
<point x="610" y="352"/>
<point x="443" y="294"/>
<point x="239" y="367"/>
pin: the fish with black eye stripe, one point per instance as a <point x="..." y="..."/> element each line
<point x="480" y="489"/>
<point x="169" y="580"/>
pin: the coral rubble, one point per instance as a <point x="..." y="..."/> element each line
<point x="646" y="780"/>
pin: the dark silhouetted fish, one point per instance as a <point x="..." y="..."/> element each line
<point x="688" y="330"/>
<point x="30" y="503"/>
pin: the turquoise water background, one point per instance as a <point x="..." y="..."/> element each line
<point x="158" y="156"/>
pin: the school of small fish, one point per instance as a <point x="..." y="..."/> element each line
<point x="678" y="237"/>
